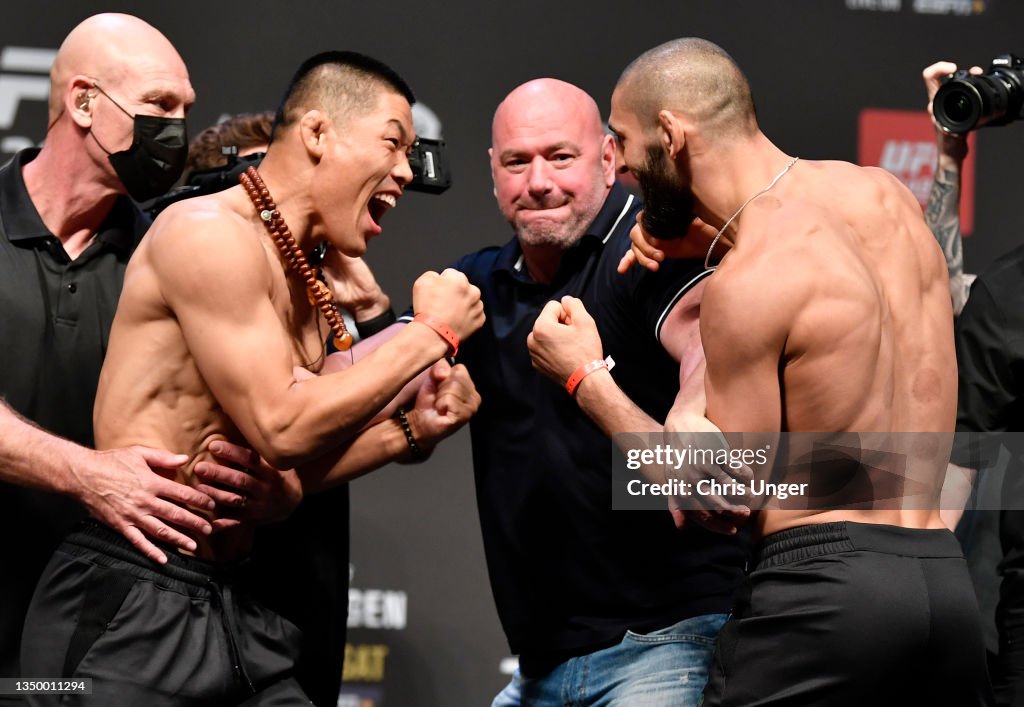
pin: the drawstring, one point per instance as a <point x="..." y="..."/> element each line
<point x="227" y="619"/>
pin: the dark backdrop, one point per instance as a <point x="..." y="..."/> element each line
<point x="428" y="633"/>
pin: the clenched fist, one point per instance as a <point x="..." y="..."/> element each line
<point x="450" y="297"/>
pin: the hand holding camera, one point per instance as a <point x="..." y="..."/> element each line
<point x="969" y="100"/>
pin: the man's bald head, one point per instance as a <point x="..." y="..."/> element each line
<point x="694" y="77"/>
<point x="107" y="47"/>
<point x="551" y="161"/>
<point x="549" y="101"/>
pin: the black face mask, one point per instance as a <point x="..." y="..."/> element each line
<point x="155" y="159"/>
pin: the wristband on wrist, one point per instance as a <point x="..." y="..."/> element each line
<point x="414" y="448"/>
<point x="375" y="325"/>
<point x="585" y="370"/>
<point x="442" y="329"/>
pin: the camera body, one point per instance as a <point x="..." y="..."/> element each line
<point x="430" y="170"/>
<point x="966" y="102"/>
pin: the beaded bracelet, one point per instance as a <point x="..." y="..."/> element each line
<point x="414" y="448"/>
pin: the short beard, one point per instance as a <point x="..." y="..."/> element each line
<point x="583" y="209"/>
<point x="560" y="234"/>
<point x="668" y="203"/>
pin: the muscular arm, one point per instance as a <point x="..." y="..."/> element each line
<point x="565" y="337"/>
<point x="377" y="445"/>
<point x="743" y="329"/>
<point x="942" y="214"/>
<point x="445" y="401"/>
<point x="34" y="458"/>
<point x="118" y="486"/>
<point x="605" y="403"/>
<point x="287" y="421"/>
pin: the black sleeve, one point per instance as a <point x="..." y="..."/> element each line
<point x="657" y="293"/>
<point x="989" y="352"/>
<point x="649" y="296"/>
<point x="377" y="324"/>
<point x="990" y="356"/>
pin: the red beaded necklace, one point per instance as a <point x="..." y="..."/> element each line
<point x="319" y="294"/>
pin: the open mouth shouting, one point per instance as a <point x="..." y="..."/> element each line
<point x="380" y="204"/>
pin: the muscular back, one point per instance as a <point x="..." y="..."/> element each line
<point x="833" y="310"/>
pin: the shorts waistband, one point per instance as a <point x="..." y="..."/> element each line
<point x="90" y="535"/>
<point x="806" y="541"/>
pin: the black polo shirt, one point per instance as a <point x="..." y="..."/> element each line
<point x="57" y="311"/>
<point x="990" y="363"/>
<point x="55" y="315"/>
<point x="569" y="574"/>
<point x="990" y="350"/>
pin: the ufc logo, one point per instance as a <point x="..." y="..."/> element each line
<point x="24" y="76"/>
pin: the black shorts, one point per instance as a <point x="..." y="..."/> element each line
<point x="185" y="633"/>
<point x="853" y="614"/>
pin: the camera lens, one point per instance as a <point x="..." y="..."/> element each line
<point x="958" y="107"/>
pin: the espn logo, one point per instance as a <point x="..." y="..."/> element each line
<point x="903" y="142"/>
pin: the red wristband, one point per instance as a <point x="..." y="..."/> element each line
<point x="443" y="330"/>
<point x="585" y="370"/>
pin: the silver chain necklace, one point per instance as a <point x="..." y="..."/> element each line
<point x="707" y="258"/>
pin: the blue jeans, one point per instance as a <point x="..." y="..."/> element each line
<point x="664" y="668"/>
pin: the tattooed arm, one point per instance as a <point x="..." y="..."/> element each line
<point x="942" y="213"/>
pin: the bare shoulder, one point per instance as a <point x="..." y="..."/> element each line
<point x="755" y="293"/>
<point x="773" y="236"/>
<point x="769" y="276"/>
<point x="201" y="223"/>
<point x="204" y="239"/>
<point x="204" y="229"/>
<point x="874" y="184"/>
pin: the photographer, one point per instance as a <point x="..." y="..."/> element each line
<point x="990" y="349"/>
<point x="248" y="133"/>
<point x="943" y="211"/>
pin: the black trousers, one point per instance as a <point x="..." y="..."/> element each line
<point x="182" y="634"/>
<point x="853" y="614"/>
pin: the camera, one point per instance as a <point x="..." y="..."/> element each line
<point x="428" y="160"/>
<point x="965" y="101"/>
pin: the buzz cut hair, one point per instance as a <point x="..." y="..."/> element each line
<point x="342" y="83"/>
<point x="692" y="76"/>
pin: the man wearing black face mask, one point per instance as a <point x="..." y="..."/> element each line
<point x="156" y="157"/>
<point x="66" y="233"/>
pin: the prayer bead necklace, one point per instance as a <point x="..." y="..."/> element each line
<point x="319" y="294"/>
